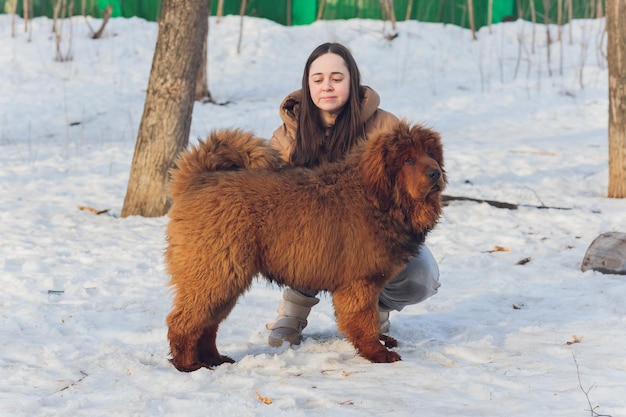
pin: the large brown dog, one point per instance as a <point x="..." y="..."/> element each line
<point x="347" y="228"/>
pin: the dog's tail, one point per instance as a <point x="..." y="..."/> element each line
<point x="223" y="150"/>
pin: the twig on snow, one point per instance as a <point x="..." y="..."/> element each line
<point x="73" y="384"/>
<point x="592" y="408"/>
<point x="499" y="204"/>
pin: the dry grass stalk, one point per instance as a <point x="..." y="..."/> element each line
<point x="546" y="22"/>
<point x="93" y="210"/>
<point x="409" y="9"/>
<point x="242" y="13"/>
<point x="13" y="13"/>
<point x="61" y="12"/>
<point x="388" y="13"/>
<point x="25" y="10"/>
<point x="320" y="10"/>
<point x="490" y="15"/>
<point x="220" y="10"/>
<point x="570" y="13"/>
<point x="470" y="11"/>
<point x="533" y="18"/>
<point x="105" y="18"/>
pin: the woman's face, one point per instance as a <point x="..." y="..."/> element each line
<point x="329" y="83"/>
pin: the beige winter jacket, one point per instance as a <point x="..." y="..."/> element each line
<point x="284" y="137"/>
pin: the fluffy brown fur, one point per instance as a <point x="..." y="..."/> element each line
<point x="347" y="228"/>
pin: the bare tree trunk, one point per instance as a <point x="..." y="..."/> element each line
<point x="490" y="15"/>
<point x="320" y="10"/>
<point x="106" y="15"/>
<point x="388" y="13"/>
<point x="570" y="13"/>
<point x="533" y="16"/>
<point x="220" y="10"/>
<point x="409" y="9"/>
<point x="13" y="12"/>
<point x="392" y="13"/>
<point x="242" y="13"/>
<point x="25" y="10"/>
<point x="470" y="9"/>
<point x="166" y="121"/>
<point x="599" y="11"/>
<point x="546" y="21"/>
<point x="202" y="82"/>
<point x="616" y="57"/>
<point x="62" y="13"/>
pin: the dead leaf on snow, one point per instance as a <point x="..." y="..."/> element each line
<point x="498" y="249"/>
<point x="92" y="210"/>
<point x="264" y="400"/>
<point x="575" y="339"/>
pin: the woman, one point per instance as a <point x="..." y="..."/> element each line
<point x="321" y="122"/>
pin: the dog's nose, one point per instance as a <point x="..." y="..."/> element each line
<point x="434" y="174"/>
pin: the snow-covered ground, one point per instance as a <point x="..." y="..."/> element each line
<point x="84" y="297"/>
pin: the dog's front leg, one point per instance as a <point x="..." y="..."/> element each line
<point x="356" y="309"/>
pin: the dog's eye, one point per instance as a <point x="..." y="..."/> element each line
<point x="409" y="161"/>
<point x="431" y="154"/>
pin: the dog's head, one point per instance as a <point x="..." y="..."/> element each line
<point x="403" y="169"/>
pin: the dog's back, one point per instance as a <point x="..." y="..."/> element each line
<point x="222" y="150"/>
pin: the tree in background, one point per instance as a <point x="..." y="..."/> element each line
<point x="202" y="83"/>
<point x="616" y="56"/>
<point x="166" y="121"/>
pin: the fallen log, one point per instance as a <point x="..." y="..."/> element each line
<point x="606" y="254"/>
<point x="499" y="204"/>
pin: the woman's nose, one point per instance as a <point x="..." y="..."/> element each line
<point x="327" y="86"/>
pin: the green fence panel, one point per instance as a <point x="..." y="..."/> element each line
<point x="581" y="9"/>
<point x="445" y="11"/>
<point x="146" y="9"/>
<point x="275" y="10"/>
<point x="305" y="11"/>
<point x="46" y="7"/>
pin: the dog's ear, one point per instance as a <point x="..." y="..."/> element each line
<point x="377" y="177"/>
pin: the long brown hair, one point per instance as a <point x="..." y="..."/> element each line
<point x="311" y="146"/>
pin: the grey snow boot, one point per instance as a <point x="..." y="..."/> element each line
<point x="293" y="311"/>
<point x="383" y="317"/>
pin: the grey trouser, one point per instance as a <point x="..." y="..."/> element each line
<point x="417" y="282"/>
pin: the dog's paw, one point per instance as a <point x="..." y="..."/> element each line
<point x="387" y="357"/>
<point x="212" y="362"/>
<point x="379" y="354"/>
<point x="388" y="341"/>
<point x="187" y="368"/>
<point x="209" y="364"/>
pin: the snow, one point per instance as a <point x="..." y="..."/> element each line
<point x="84" y="297"/>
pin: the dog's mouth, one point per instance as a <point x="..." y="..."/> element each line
<point x="435" y="189"/>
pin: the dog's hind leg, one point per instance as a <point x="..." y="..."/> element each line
<point x="357" y="317"/>
<point x="201" y="303"/>
<point x="195" y="348"/>
<point x="208" y="354"/>
<point x="183" y="351"/>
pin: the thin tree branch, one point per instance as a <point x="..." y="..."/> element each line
<point x="499" y="204"/>
<point x="592" y="409"/>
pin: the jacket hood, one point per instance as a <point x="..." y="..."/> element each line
<point x="290" y="106"/>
